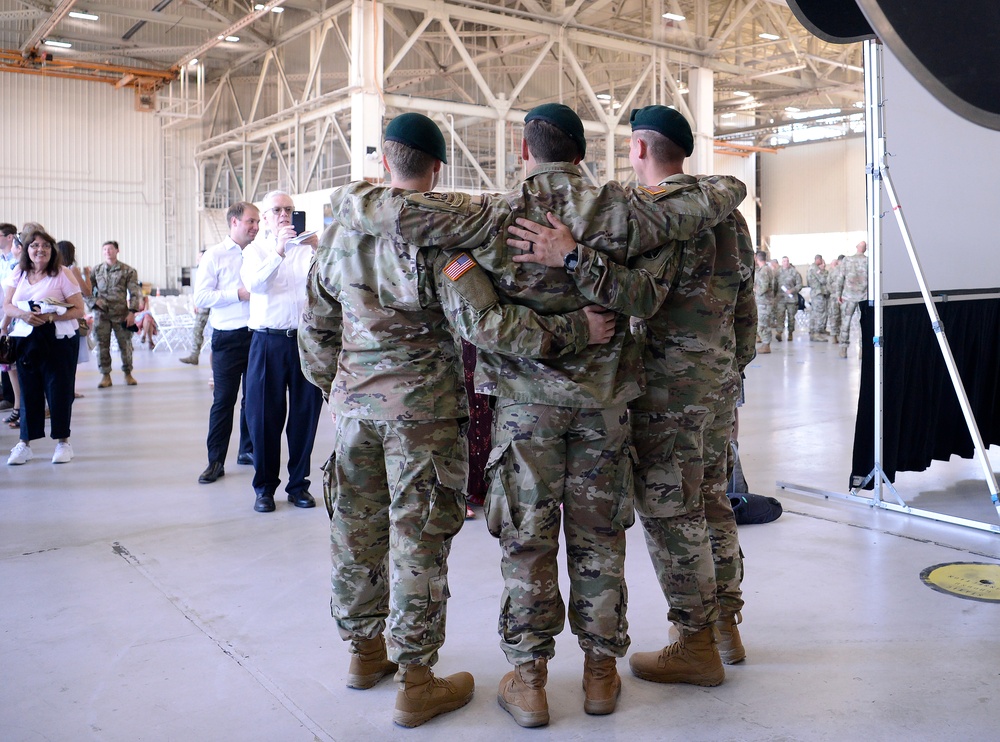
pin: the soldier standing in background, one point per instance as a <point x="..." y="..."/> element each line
<point x="836" y="284"/>
<point x="116" y="298"/>
<point x="789" y="286"/>
<point x="765" y="291"/>
<point x="818" y="280"/>
<point x="560" y="449"/>
<point x="395" y="382"/>
<point x="701" y="321"/>
<point x="855" y="290"/>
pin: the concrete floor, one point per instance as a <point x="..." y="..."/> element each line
<point x="136" y="604"/>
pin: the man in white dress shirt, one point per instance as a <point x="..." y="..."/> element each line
<point x="219" y="288"/>
<point x="275" y="267"/>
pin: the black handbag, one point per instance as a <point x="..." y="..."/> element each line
<point x="8" y="350"/>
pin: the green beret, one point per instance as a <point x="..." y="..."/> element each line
<point x="667" y="122"/>
<point x="419" y="132"/>
<point x="563" y="118"/>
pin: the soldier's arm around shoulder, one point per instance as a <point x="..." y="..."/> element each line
<point x="473" y="309"/>
<point x="447" y="220"/>
<point x="319" y="336"/>
<point x="680" y="211"/>
<point x="134" y="290"/>
<point x="637" y="290"/>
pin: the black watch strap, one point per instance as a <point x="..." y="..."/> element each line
<point x="572" y="260"/>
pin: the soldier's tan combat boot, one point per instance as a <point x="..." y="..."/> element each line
<point x="731" y="648"/>
<point x="791" y="336"/>
<point x="105" y="382"/>
<point x="691" y="659"/>
<point x="765" y="348"/>
<point x="601" y="684"/>
<point x="777" y="337"/>
<point x="129" y="379"/>
<point x="834" y="339"/>
<point x="421" y="696"/>
<point x="843" y="351"/>
<point x="369" y="663"/>
<point x="522" y="693"/>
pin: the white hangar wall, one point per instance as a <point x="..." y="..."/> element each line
<point x="80" y="160"/>
<point x="816" y="191"/>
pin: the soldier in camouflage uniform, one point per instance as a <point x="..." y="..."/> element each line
<point x="701" y="322"/>
<point x="115" y="300"/>
<point x="836" y="284"/>
<point x="787" y="303"/>
<point x="765" y="291"/>
<point x="855" y="290"/>
<point x="818" y="280"/>
<point x="394" y="379"/>
<point x="560" y="452"/>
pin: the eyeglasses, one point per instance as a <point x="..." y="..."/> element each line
<point x="276" y="210"/>
<point x="39" y="247"/>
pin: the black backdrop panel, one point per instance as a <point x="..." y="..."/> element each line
<point x="835" y="21"/>
<point x="922" y="420"/>
<point x="953" y="49"/>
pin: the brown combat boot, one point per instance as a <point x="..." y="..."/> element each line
<point x="368" y="663"/>
<point x="765" y="348"/>
<point x="522" y="693"/>
<point x="777" y="337"/>
<point x="129" y="379"/>
<point x="791" y="336"/>
<point x="601" y="684"/>
<point x="731" y="648"/>
<point x="105" y="381"/>
<point x="421" y="696"/>
<point x="691" y="659"/>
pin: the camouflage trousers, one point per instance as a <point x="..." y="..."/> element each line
<point x="394" y="492"/>
<point x="765" y="320"/>
<point x="818" y="314"/>
<point x="198" y="331"/>
<point x="785" y="315"/>
<point x="549" y="465"/>
<point x="684" y="508"/>
<point x="833" y="323"/>
<point x="847" y="311"/>
<point x="103" y="327"/>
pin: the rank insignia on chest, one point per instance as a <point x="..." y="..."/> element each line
<point x="459" y="266"/>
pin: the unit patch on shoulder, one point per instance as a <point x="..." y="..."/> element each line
<point x="457" y="202"/>
<point x="459" y="266"/>
<point x="653" y="190"/>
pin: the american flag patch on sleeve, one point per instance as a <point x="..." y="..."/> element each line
<point x="459" y="266"/>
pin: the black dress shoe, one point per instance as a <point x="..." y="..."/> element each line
<point x="264" y="504"/>
<point x="213" y="472"/>
<point x="302" y="500"/>
<point x="245" y="459"/>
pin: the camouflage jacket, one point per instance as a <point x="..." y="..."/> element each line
<point x="374" y="336"/>
<point x="612" y="219"/>
<point x="855" y="269"/>
<point x="837" y="281"/>
<point x="702" y="316"/>
<point x="116" y="290"/>
<point x="818" y="280"/>
<point x="789" y="285"/>
<point x="765" y="284"/>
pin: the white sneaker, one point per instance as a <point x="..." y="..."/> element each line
<point x="20" y="454"/>
<point x="63" y="454"/>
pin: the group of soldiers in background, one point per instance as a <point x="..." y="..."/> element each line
<point x="834" y="294"/>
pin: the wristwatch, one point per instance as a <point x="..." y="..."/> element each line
<point x="572" y="259"/>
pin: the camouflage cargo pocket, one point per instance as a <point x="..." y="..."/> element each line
<point x="659" y="489"/>
<point x="447" y="508"/>
<point x="624" y="514"/>
<point x="329" y="472"/>
<point x="498" y="503"/>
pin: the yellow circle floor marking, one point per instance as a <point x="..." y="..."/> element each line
<point x="969" y="580"/>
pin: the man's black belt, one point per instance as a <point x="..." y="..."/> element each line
<point x="271" y="331"/>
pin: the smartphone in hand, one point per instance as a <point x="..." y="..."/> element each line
<point x="299" y="222"/>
